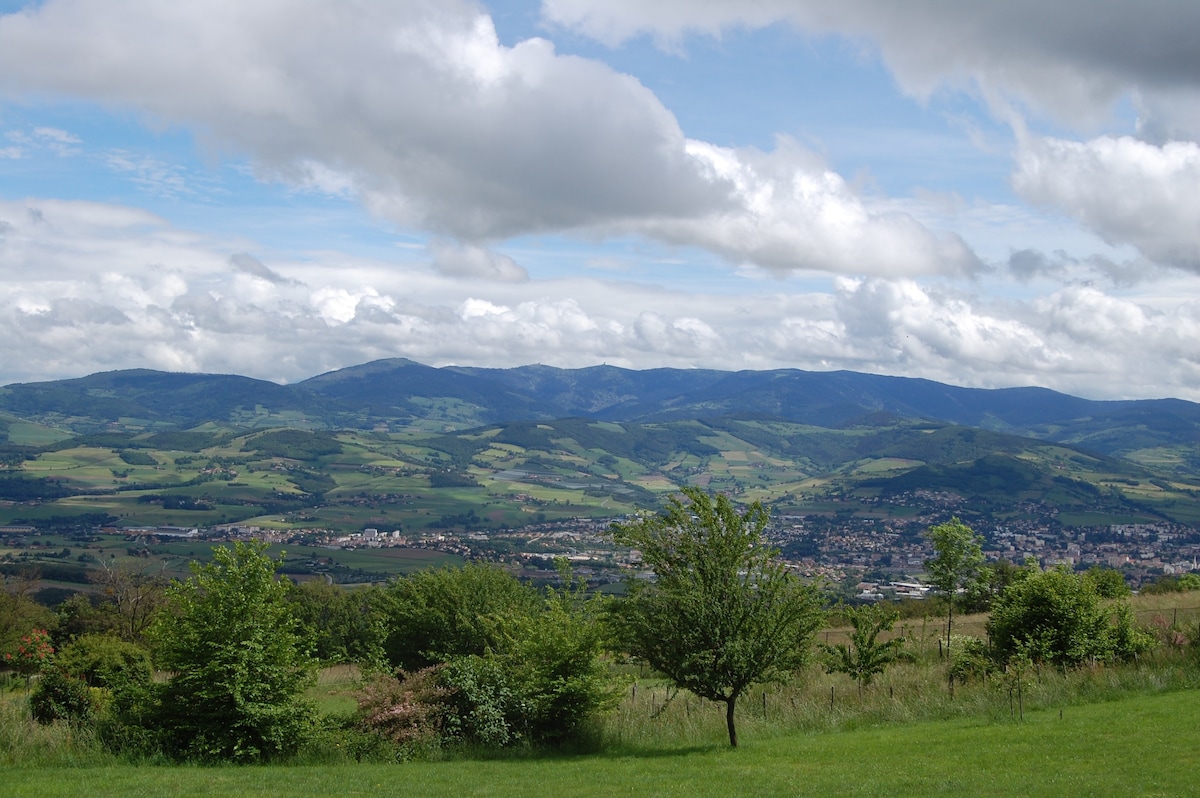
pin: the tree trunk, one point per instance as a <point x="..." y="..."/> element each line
<point x="729" y="705"/>
<point x="949" y="621"/>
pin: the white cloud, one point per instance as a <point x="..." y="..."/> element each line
<point x="1126" y="190"/>
<point x="416" y="108"/>
<point x="794" y="213"/>
<point x="87" y="287"/>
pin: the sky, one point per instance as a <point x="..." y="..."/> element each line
<point x="983" y="194"/>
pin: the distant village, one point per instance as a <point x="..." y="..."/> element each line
<point x="884" y="557"/>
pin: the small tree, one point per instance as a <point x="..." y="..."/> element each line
<point x="957" y="555"/>
<point x="231" y="638"/>
<point x="723" y="613"/>
<point x="865" y="656"/>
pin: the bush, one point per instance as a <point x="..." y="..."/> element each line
<point x="436" y="615"/>
<point x="1107" y="582"/>
<point x="865" y="656"/>
<point x="105" y="661"/>
<point x="970" y="659"/>
<point x="409" y="710"/>
<point x="519" y="671"/>
<point x="1057" y="617"/>
<point x="61" y="696"/>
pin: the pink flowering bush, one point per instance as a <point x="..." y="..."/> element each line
<point x="33" y="653"/>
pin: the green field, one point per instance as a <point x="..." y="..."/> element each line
<point x="518" y="473"/>
<point x="1141" y="745"/>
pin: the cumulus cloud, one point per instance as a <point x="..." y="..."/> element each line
<point x="87" y="287"/>
<point x="795" y="213"/>
<point x="417" y="109"/>
<point x="1127" y="191"/>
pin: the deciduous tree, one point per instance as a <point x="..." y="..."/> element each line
<point x="231" y="638"/>
<point x="723" y="613"/>
<point x="957" y="555"/>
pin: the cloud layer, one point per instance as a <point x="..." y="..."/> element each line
<point x="86" y="287"/>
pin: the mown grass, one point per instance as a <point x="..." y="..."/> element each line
<point x="1139" y="745"/>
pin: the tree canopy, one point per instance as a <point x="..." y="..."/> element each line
<point x="231" y="638"/>
<point x="957" y="556"/>
<point x="723" y="613"/>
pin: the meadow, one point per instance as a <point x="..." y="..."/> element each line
<point x="1097" y="730"/>
<point x="1141" y="744"/>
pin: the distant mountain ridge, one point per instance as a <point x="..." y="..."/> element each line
<point x="401" y="391"/>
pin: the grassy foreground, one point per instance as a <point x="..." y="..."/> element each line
<point x="1141" y="745"/>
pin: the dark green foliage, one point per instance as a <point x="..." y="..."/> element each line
<point x="989" y="581"/>
<point x="59" y="695"/>
<point x="865" y="656"/>
<point x="436" y="615"/>
<point x="723" y="613"/>
<point x="26" y="489"/>
<point x="1056" y="617"/>
<point x="18" y="617"/>
<point x="551" y="662"/>
<point x="970" y="659"/>
<point x="295" y="444"/>
<point x="175" y="501"/>
<point x="1173" y="584"/>
<point x="232" y="641"/>
<point x="57" y="572"/>
<point x="312" y="482"/>
<point x="1107" y="582"/>
<point x="481" y="704"/>
<point x="514" y="667"/>
<point x="134" y="457"/>
<point x="452" y="479"/>
<point x="181" y="440"/>
<point x="85" y="614"/>
<point x="341" y="625"/>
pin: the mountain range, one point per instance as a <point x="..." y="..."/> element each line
<point x="402" y="392"/>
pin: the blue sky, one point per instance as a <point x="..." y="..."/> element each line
<point x="985" y="195"/>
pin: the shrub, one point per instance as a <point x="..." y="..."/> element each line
<point x="105" y="661"/>
<point x="484" y="707"/>
<point x="409" y="709"/>
<point x="970" y="659"/>
<point x="33" y="653"/>
<point x="1057" y="617"/>
<point x="527" y="671"/>
<point x="865" y="656"/>
<point x="436" y="615"/>
<point x="1107" y="582"/>
<point x="61" y="696"/>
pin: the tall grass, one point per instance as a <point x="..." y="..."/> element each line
<point x="29" y="744"/>
<point x="652" y="715"/>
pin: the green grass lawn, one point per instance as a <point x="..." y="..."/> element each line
<point x="1142" y="745"/>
